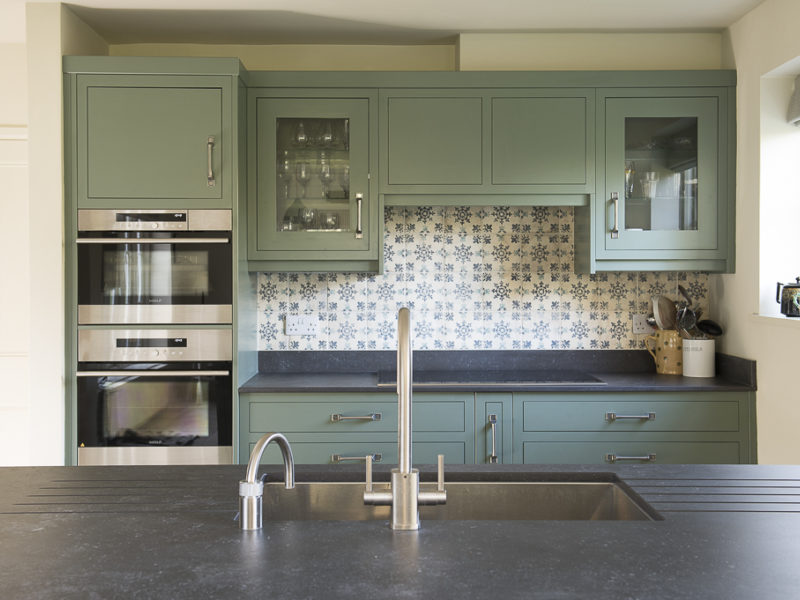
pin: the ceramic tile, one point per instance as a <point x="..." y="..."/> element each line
<point x="475" y="278"/>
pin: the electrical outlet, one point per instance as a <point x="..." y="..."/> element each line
<point x="640" y="324"/>
<point x="301" y="324"/>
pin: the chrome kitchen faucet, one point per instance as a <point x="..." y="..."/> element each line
<point x="404" y="494"/>
<point x="251" y="492"/>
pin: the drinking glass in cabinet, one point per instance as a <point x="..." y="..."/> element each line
<point x="661" y="173"/>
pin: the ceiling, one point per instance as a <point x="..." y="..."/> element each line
<point x="373" y="21"/>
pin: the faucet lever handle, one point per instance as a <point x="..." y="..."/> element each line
<point x="440" y="473"/>
<point x="369" y="472"/>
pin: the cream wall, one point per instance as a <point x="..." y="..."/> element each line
<point x="760" y="42"/>
<point x="589" y="51"/>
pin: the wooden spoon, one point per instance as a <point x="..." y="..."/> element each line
<point x="664" y="312"/>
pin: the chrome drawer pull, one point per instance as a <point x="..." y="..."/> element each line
<point x="493" y="423"/>
<point x="211" y="179"/>
<point x="337" y="458"/>
<point x="612" y="458"/>
<point x="335" y="418"/>
<point x="611" y="417"/>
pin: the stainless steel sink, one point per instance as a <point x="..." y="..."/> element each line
<point x="491" y="501"/>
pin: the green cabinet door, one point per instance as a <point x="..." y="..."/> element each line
<point x="665" y="192"/>
<point x="311" y="205"/>
<point x="154" y="141"/>
<point x="487" y="146"/>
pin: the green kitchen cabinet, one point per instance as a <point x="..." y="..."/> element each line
<point x="479" y="146"/>
<point x="665" y="191"/>
<point x="312" y="205"/>
<point x="342" y="428"/>
<point x="152" y="140"/>
<point x="656" y="427"/>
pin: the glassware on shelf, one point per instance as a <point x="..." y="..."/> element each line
<point x="303" y="174"/>
<point x="300" y="135"/>
<point x="308" y="217"/>
<point x="285" y="173"/>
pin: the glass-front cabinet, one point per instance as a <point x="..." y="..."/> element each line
<point x="663" y="194"/>
<point x="311" y="207"/>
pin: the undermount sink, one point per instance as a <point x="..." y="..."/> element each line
<point x="466" y="500"/>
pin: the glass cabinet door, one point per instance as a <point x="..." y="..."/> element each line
<point x="313" y="171"/>
<point x="661" y="173"/>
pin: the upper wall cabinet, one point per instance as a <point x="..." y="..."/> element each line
<point x="665" y="182"/>
<point x="152" y="140"/>
<point x="311" y="206"/>
<point x="477" y="146"/>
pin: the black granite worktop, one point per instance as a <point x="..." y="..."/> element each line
<point x="598" y="371"/>
<point x="729" y="532"/>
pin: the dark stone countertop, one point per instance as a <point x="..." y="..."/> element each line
<point x="729" y="532"/>
<point x="615" y="371"/>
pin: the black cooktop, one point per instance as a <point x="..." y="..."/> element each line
<point x="477" y="378"/>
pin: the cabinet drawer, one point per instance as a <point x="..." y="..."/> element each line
<point x="641" y="415"/>
<point x="573" y="452"/>
<point x="310" y="417"/>
<point x="323" y="452"/>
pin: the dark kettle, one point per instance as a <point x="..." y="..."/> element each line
<point x="789" y="298"/>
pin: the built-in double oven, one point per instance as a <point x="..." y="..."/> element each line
<point x="154" y="342"/>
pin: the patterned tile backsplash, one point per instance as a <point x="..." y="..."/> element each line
<point x="475" y="278"/>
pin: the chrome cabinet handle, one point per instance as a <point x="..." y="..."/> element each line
<point x="337" y="458"/>
<point x="615" y="229"/>
<point x="151" y="373"/>
<point x="493" y="423"/>
<point x="211" y="180"/>
<point x="359" y="206"/>
<point x="133" y="241"/>
<point x="336" y="417"/>
<point x="612" y="458"/>
<point x="612" y="416"/>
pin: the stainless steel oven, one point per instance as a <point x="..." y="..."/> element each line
<point x="154" y="266"/>
<point x="154" y="396"/>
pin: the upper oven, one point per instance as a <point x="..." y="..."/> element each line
<point x="154" y="266"/>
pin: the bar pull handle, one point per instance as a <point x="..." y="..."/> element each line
<point x="162" y="240"/>
<point x="336" y="417"/>
<point x="612" y="416"/>
<point x="493" y="423"/>
<point x="615" y="229"/>
<point x="612" y="458"/>
<point x="211" y="179"/>
<point x="359" y="225"/>
<point x="337" y="458"/>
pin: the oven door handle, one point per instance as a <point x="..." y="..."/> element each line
<point x="150" y="373"/>
<point x="213" y="240"/>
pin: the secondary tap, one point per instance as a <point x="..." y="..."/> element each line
<point x="251" y="491"/>
<point x="405" y="495"/>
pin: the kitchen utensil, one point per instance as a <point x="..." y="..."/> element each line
<point x="664" y="312"/>
<point x="789" y="299"/>
<point x="667" y="351"/>
<point x="709" y="327"/>
<point x="686" y="318"/>
<point x="685" y="294"/>
<point x="651" y="320"/>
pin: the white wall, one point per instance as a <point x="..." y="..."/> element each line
<point x="760" y="42"/>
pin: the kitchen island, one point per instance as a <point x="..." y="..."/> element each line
<point x="729" y="531"/>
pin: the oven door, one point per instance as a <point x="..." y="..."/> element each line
<point x="159" y="277"/>
<point x="154" y="413"/>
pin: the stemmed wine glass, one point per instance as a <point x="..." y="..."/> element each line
<point x="325" y="176"/>
<point x="303" y="174"/>
<point x="285" y="172"/>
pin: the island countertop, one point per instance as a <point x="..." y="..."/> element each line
<point x="729" y="531"/>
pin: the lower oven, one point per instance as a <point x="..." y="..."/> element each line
<point x="154" y="396"/>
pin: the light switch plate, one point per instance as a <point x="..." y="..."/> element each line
<point x="301" y="324"/>
<point x="640" y="324"/>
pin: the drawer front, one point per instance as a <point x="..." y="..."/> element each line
<point x="622" y="415"/>
<point x="334" y="417"/>
<point x="615" y="452"/>
<point x="318" y="453"/>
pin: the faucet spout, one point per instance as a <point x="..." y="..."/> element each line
<point x="404" y="382"/>
<point x="251" y="491"/>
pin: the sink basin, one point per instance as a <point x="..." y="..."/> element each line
<point x="466" y="500"/>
